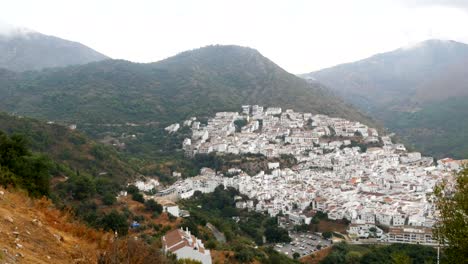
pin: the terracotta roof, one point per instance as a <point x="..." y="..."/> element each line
<point x="177" y="239"/>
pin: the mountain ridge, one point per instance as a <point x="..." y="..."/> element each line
<point x="200" y="82"/>
<point x="400" y="85"/>
<point x="30" y="50"/>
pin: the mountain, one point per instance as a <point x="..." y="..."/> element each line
<point x="193" y="83"/>
<point x="419" y="91"/>
<point x="29" y="50"/>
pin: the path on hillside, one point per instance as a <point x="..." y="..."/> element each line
<point x="218" y="234"/>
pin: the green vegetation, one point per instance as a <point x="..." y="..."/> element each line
<point x="240" y="124"/>
<point x="115" y="221"/>
<point x="19" y="167"/>
<point x="453" y="228"/>
<point x="74" y="171"/>
<point x="379" y="254"/>
<point x="437" y="129"/>
<point x="421" y="94"/>
<point x="193" y="83"/>
<point x="153" y="206"/>
<point x="244" y="230"/>
<point x="113" y="100"/>
<point x="73" y="152"/>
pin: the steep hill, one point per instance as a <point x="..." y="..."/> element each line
<point x="70" y="150"/>
<point x="28" y="50"/>
<point x="32" y="231"/>
<point x="198" y="82"/>
<point x="417" y="91"/>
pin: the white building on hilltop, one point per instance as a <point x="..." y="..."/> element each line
<point x="185" y="246"/>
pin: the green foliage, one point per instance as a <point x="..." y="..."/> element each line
<point x="400" y="258"/>
<point x="109" y="199"/>
<point x="370" y="254"/>
<point x="296" y="255"/>
<point x="72" y="152"/>
<point x="241" y="236"/>
<point x="115" y="221"/>
<point x="419" y="93"/>
<point x="153" y="206"/>
<point x="82" y="187"/>
<point x="244" y="255"/>
<point x="274" y="233"/>
<point x="138" y="197"/>
<point x="19" y="167"/>
<point x="452" y="229"/>
<point x="239" y="124"/>
<point x="132" y="189"/>
<point x="353" y="257"/>
<point x="327" y="235"/>
<point x="438" y="129"/>
<point x="198" y="82"/>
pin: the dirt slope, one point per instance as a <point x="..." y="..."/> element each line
<point x="33" y="231"/>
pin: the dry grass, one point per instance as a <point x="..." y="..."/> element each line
<point x="317" y="256"/>
<point x="131" y="251"/>
<point x="333" y="226"/>
<point x="33" y="231"/>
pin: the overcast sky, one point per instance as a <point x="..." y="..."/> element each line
<point x="300" y="36"/>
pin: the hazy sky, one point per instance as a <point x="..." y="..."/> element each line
<point x="300" y="36"/>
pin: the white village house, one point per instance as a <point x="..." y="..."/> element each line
<point x="185" y="246"/>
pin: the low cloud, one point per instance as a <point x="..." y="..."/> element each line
<point x="461" y="4"/>
<point x="8" y="30"/>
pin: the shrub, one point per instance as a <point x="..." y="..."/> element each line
<point x="116" y="222"/>
<point x="153" y="206"/>
<point x="138" y="197"/>
<point x="109" y="199"/>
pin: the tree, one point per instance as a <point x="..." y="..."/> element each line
<point x="244" y="255"/>
<point x="401" y="258"/>
<point x="153" y="206"/>
<point x="131" y="189"/>
<point x="327" y="234"/>
<point x="116" y="222"/>
<point x="83" y="187"/>
<point x="296" y="255"/>
<point x="353" y="257"/>
<point x="109" y="199"/>
<point x="277" y="234"/>
<point x="138" y="197"/>
<point x="239" y="124"/>
<point x="19" y="167"/>
<point x="452" y="228"/>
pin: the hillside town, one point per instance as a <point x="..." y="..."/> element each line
<point x="343" y="168"/>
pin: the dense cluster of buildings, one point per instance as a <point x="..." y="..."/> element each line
<point x="343" y="168"/>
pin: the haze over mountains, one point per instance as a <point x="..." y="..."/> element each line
<point x="23" y="50"/>
<point x="420" y="92"/>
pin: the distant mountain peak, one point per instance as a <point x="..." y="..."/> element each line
<point x="23" y="49"/>
<point x="432" y="43"/>
<point x="417" y="90"/>
<point x="16" y="32"/>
